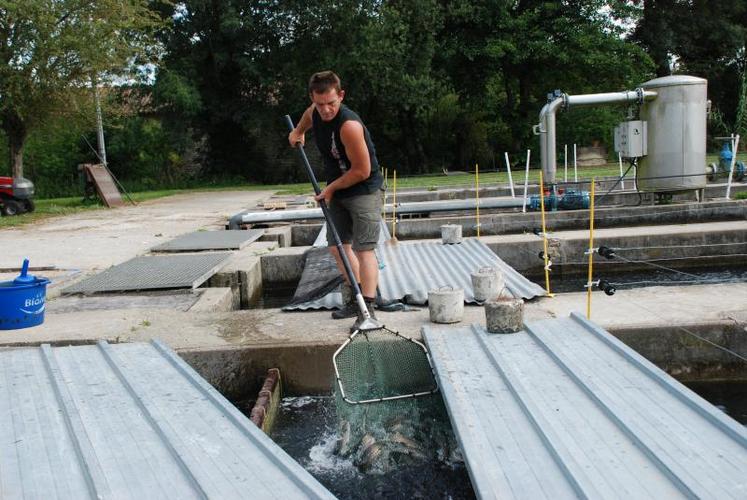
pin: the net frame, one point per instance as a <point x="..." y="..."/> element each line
<point x="398" y="337"/>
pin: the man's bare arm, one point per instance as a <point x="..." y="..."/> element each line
<point x="298" y="134"/>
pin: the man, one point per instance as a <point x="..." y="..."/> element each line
<point x="353" y="183"/>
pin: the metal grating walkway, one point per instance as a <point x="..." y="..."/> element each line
<point x="153" y="273"/>
<point x="565" y="410"/>
<point x="130" y="421"/>
<point x="210" y="240"/>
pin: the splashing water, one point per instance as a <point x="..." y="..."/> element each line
<point x="307" y="429"/>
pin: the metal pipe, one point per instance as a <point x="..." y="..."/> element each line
<point x="608" y="98"/>
<point x="546" y="127"/>
<point x="401" y="208"/>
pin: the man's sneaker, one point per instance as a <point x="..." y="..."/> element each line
<point x="349" y="305"/>
<point x="370" y="303"/>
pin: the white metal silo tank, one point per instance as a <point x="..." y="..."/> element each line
<point x="676" y="135"/>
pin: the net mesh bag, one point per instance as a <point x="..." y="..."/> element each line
<point x="380" y="434"/>
<point x="381" y="363"/>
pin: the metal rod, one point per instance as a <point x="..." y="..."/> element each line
<point x="591" y="252"/>
<point x="622" y="176"/>
<point x="545" y="257"/>
<point x="386" y="188"/>
<point x="394" y="206"/>
<point x="526" y="183"/>
<point x="477" y="197"/>
<point x="735" y="146"/>
<point x="575" y="164"/>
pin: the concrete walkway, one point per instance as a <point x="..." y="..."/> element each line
<point x="628" y="309"/>
<point x="98" y="239"/>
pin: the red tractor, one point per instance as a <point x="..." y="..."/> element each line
<point x="16" y="195"/>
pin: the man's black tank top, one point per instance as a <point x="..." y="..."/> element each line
<point x="336" y="161"/>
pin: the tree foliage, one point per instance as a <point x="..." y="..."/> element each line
<point x="703" y="38"/>
<point x="439" y="83"/>
<point x="50" y="49"/>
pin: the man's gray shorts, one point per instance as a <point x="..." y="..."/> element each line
<point x="357" y="220"/>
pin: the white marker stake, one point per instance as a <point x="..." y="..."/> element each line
<point x="526" y="182"/>
<point x="510" y="179"/>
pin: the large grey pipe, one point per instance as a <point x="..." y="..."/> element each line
<point x="401" y="208"/>
<point x="546" y="127"/>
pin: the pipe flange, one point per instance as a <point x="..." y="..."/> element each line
<point x="639" y="93"/>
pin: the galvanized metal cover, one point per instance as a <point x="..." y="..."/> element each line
<point x="130" y="421"/>
<point x="565" y="410"/>
<point x="153" y="273"/>
<point x="233" y="239"/>
<point x="408" y="270"/>
<point x="411" y="269"/>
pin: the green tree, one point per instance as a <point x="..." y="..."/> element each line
<point x="51" y="49"/>
<point x="218" y="57"/>
<point x="704" y="38"/>
<point x="505" y="56"/>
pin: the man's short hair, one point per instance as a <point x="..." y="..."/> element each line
<point x="323" y="81"/>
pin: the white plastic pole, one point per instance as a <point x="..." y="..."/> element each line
<point x="620" y="162"/>
<point x="734" y="147"/>
<point x="526" y="182"/>
<point x="510" y="179"/>
<point x="575" y="165"/>
<point x="565" y="161"/>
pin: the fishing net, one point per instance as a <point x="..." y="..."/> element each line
<point x="388" y="408"/>
<point x="379" y="364"/>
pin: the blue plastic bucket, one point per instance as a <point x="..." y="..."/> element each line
<point x="22" y="305"/>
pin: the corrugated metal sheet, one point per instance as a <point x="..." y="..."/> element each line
<point x="565" y="410"/>
<point x="210" y="240"/>
<point x="411" y="269"/>
<point x="408" y="270"/>
<point x="153" y="272"/>
<point x="130" y="421"/>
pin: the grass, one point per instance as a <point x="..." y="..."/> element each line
<point x="53" y="207"/>
<point x="46" y="208"/>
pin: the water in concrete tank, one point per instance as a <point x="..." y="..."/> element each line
<point x="728" y="396"/>
<point x="275" y="295"/>
<point x="306" y="428"/>
<point x="655" y="277"/>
